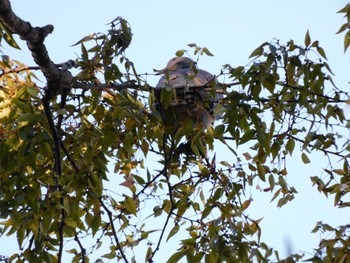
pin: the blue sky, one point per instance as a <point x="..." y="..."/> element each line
<point x="231" y="30"/>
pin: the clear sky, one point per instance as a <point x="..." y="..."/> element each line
<point x="231" y="30"/>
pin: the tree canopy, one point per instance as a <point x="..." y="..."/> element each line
<point x="58" y="142"/>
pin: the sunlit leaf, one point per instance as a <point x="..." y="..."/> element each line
<point x="148" y="254"/>
<point x="176" y="257"/>
<point x="173" y="231"/>
<point x="85" y="39"/>
<point x="207" y="52"/>
<point x="10" y="40"/>
<point x="246" y="204"/>
<point x="180" y="53"/>
<point x="131" y="205"/>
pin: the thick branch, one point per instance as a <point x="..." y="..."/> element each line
<point x="17" y="70"/>
<point x="56" y="79"/>
<point x="112" y="86"/>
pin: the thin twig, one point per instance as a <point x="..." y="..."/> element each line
<point x="111" y="86"/>
<point x="69" y="157"/>
<point x="310" y="145"/>
<point x="17" y="70"/>
<point x="161" y="235"/>
<point x="109" y="213"/>
<point x="82" y="249"/>
<point x="148" y="184"/>
<point x="60" y="234"/>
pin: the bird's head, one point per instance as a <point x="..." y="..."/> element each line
<point x="178" y="63"/>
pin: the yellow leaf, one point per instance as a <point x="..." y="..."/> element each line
<point x="339" y="171"/>
<point x="246" y="204"/>
<point x="148" y="254"/>
<point x="284" y="172"/>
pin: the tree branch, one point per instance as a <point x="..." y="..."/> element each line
<point x="56" y="79"/>
<point x="17" y="70"/>
<point x="114" y="231"/>
<point x="112" y="86"/>
<point x="82" y="249"/>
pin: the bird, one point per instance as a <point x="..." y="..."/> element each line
<point x="190" y="94"/>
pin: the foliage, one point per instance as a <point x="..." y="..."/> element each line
<point x="345" y="26"/>
<point x="284" y="101"/>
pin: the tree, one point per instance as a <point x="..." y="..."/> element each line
<point x="57" y="141"/>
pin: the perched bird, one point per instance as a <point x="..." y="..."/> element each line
<point x="190" y="93"/>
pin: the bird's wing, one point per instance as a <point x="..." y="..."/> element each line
<point x="185" y="78"/>
<point x="175" y="79"/>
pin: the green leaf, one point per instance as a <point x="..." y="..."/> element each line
<point x="173" y="231"/>
<point x="257" y="52"/>
<point x="130" y="205"/>
<point x="307" y="40"/>
<point x="261" y="171"/>
<point x="180" y="53"/>
<point x="219" y="131"/>
<point x="342" y="28"/>
<point x="283" y="184"/>
<point x="32" y="91"/>
<point x="346" y="40"/>
<point x="207" y="52"/>
<point x="207" y="210"/>
<point x="110" y="255"/>
<point x="10" y="40"/>
<point x="276" y="194"/>
<point x="84" y="39"/>
<point x="70" y="222"/>
<point x="304" y="158"/>
<point x="72" y="251"/>
<point x="181" y="210"/>
<point x="176" y="257"/>
<point x="157" y="211"/>
<point x="345" y="9"/>
<point x="290" y="146"/>
<point x="321" y="52"/>
<point x="247" y="136"/>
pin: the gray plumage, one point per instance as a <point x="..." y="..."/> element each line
<point x="182" y="74"/>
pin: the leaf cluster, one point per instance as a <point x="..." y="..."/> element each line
<point x="345" y="27"/>
<point x="283" y="104"/>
